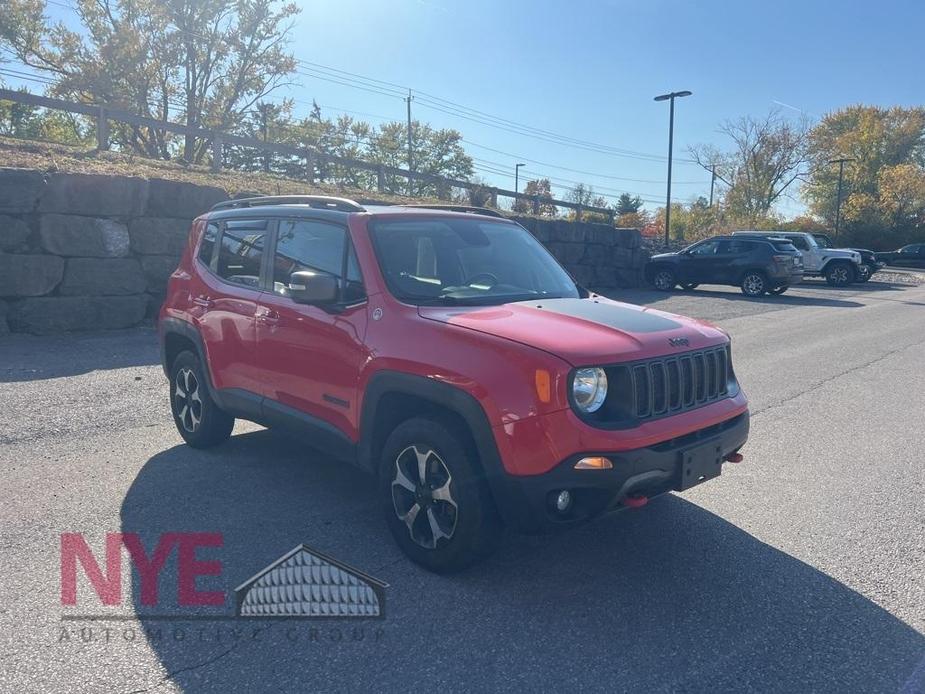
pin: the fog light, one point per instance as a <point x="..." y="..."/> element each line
<point x="595" y="463"/>
<point x="563" y="501"/>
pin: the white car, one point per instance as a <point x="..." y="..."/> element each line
<point x="839" y="266"/>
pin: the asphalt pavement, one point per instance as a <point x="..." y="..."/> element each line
<point x="800" y="569"/>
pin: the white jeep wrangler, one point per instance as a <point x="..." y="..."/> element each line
<point x="839" y="266"/>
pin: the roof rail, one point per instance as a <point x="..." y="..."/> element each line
<point x="324" y="202"/>
<point x="470" y="209"/>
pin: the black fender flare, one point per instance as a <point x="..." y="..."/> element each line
<point x="176" y="326"/>
<point x="449" y="397"/>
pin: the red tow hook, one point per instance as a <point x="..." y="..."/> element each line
<point x="635" y="501"/>
<point x="735" y="458"/>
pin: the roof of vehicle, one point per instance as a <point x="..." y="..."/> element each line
<point x="772" y="232"/>
<point x="337" y="208"/>
<point x="758" y="237"/>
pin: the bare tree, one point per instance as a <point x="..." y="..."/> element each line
<point x="767" y="155"/>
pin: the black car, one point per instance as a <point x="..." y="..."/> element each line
<point x="869" y="262"/>
<point x="912" y="255"/>
<point x="757" y="265"/>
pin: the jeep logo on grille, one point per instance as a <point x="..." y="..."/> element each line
<point x="678" y="342"/>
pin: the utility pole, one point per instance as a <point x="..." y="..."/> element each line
<point x="712" y="182"/>
<point x="410" y="154"/>
<point x="670" y="97"/>
<point x="841" y="175"/>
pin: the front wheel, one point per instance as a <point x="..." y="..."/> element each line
<point x="754" y="284"/>
<point x="436" y="502"/>
<point x="688" y="286"/>
<point x="664" y="280"/>
<point x="865" y="272"/>
<point x="777" y="291"/>
<point x="839" y="274"/>
<point x="199" y="420"/>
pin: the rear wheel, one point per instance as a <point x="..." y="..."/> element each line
<point x="436" y="503"/>
<point x="688" y="286"/>
<point x="777" y="291"/>
<point x="839" y="274"/>
<point x="754" y="284"/>
<point x="664" y="279"/>
<point x="199" y="420"/>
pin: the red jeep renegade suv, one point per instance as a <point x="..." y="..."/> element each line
<point x="448" y="353"/>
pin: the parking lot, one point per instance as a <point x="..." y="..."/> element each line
<point x="800" y="569"/>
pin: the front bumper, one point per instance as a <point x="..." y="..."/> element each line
<point x="527" y="502"/>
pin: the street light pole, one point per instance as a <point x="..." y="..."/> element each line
<point x="841" y="175"/>
<point x="517" y="178"/>
<point x="670" y="97"/>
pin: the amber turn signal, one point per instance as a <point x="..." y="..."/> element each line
<point x="595" y="463"/>
<point x="543" y="386"/>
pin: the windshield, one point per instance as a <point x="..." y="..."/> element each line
<point x="466" y="261"/>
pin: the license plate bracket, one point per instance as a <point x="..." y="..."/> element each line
<point x="699" y="464"/>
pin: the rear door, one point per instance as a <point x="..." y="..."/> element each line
<point x="310" y="357"/>
<point x="224" y="295"/>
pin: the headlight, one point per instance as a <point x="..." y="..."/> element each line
<point x="589" y="389"/>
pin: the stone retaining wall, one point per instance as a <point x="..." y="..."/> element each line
<point x="87" y="252"/>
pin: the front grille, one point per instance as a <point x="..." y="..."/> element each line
<point x="677" y="383"/>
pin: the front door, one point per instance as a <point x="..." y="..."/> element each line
<point x="702" y="262"/>
<point x="223" y="300"/>
<point x="310" y="357"/>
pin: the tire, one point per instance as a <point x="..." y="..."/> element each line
<point x="777" y="291"/>
<point x="664" y="279"/>
<point x="865" y="272"/>
<point x="839" y="274"/>
<point x="754" y="284"/>
<point x="198" y="419"/>
<point x="688" y="286"/>
<point x="459" y="525"/>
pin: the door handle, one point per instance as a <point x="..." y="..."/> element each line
<point x="270" y="317"/>
<point x="203" y="301"/>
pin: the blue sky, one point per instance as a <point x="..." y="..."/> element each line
<point x="589" y="70"/>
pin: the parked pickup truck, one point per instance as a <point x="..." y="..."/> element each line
<point x="839" y="267"/>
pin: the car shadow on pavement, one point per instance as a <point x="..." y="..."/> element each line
<point x="31" y="358"/>
<point x="667" y="598"/>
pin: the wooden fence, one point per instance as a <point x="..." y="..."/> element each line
<point x="103" y="114"/>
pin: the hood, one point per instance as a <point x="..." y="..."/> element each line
<point x="839" y="253"/>
<point x="663" y="256"/>
<point x="583" y="331"/>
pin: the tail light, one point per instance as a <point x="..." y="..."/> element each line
<point x="786" y="260"/>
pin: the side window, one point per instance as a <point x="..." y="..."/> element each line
<point x="739" y="247"/>
<point x="240" y="252"/>
<point x="799" y="242"/>
<point x="317" y="246"/>
<point x="207" y="245"/>
<point x="706" y="248"/>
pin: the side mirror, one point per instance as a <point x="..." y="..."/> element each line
<point x="315" y="288"/>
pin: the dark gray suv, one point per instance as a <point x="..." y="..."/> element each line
<point x="756" y="265"/>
